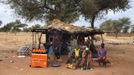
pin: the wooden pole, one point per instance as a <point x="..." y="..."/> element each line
<point x="102" y="38"/>
<point x="33" y="40"/>
<point x="39" y="40"/>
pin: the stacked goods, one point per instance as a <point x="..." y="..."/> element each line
<point x="39" y="51"/>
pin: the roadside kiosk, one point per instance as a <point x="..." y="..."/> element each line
<point x="39" y="56"/>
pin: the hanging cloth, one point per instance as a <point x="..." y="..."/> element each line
<point x="77" y="52"/>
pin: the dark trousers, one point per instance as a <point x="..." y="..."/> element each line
<point x="57" y="53"/>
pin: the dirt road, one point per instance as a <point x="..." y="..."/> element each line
<point x="121" y="57"/>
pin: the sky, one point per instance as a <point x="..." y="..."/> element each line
<point x="7" y="15"/>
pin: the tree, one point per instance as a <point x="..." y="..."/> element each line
<point x="126" y="23"/>
<point x="36" y="26"/>
<point x="28" y="29"/>
<point x="116" y="26"/>
<point x="13" y="26"/>
<point x="93" y="9"/>
<point x="17" y="25"/>
<point x="64" y="10"/>
<point x="132" y="30"/>
<point x="112" y="26"/>
<point x="106" y="26"/>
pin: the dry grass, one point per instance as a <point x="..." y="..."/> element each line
<point x="123" y="40"/>
<point x="10" y="41"/>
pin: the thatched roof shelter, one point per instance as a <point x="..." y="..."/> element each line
<point x="58" y="26"/>
<point x="65" y="33"/>
<point x="61" y="26"/>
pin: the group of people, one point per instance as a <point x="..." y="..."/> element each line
<point x="78" y="57"/>
<point x="82" y="57"/>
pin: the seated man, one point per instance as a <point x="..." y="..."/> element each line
<point x="102" y="55"/>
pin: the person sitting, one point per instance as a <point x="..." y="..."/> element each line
<point x="102" y="55"/>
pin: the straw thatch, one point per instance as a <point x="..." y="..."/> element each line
<point x="58" y="26"/>
<point x="61" y="26"/>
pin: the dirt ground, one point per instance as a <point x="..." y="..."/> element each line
<point x="120" y="55"/>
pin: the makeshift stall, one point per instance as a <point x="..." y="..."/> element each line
<point x="70" y="40"/>
<point x="39" y="57"/>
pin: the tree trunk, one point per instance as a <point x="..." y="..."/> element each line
<point x="92" y="21"/>
<point x="102" y="38"/>
<point x="116" y="35"/>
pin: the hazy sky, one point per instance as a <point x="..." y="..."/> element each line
<point x="7" y="15"/>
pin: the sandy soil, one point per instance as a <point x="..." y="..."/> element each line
<point x="121" y="57"/>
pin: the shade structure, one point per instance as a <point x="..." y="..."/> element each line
<point x="58" y="26"/>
